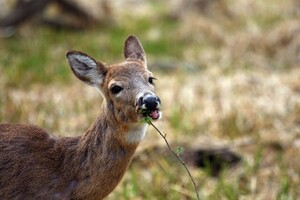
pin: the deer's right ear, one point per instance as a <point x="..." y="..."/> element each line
<point x="86" y="68"/>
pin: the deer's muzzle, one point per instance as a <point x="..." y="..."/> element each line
<point x="148" y="105"/>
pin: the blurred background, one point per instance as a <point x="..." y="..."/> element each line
<point x="228" y="76"/>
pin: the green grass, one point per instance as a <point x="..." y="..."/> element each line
<point x="39" y="57"/>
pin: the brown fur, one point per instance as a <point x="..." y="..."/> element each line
<point x="37" y="165"/>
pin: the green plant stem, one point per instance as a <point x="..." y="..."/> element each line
<point x="178" y="158"/>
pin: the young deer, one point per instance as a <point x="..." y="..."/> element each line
<point x="36" y="165"/>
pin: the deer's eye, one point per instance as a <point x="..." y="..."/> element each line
<point x="151" y="80"/>
<point x="116" y="89"/>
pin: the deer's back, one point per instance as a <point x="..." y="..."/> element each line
<point x="30" y="163"/>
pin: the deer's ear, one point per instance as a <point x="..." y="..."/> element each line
<point x="133" y="49"/>
<point x="86" y="68"/>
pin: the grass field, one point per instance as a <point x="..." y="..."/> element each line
<point x="228" y="76"/>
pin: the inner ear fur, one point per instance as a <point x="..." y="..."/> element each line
<point x="86" y="68"/>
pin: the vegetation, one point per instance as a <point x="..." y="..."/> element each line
<point x="228" y="74"/>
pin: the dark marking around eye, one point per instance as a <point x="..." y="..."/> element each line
<point x="116" y="89"/>
<point x="151" y="80"/>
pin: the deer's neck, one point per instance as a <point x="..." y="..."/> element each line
<point x="103" y="155"/>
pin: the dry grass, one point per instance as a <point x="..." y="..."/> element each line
<point x="237" y="84"/>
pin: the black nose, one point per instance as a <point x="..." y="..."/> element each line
<point x="151" y="102"/>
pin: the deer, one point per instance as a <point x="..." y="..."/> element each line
<point x="37" y="165"/>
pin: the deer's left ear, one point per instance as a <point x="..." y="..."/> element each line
<point x="133" y="49"/>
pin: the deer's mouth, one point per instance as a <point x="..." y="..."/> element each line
<point x="153" y="114"/>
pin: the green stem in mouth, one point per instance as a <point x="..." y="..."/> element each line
<point x="145" y="112"/>
<point x="146" y="118"/>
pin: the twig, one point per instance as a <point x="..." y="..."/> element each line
<point x="178" y="158"/>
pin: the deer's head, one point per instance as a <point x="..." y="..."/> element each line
<point x="127" y="87"/>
